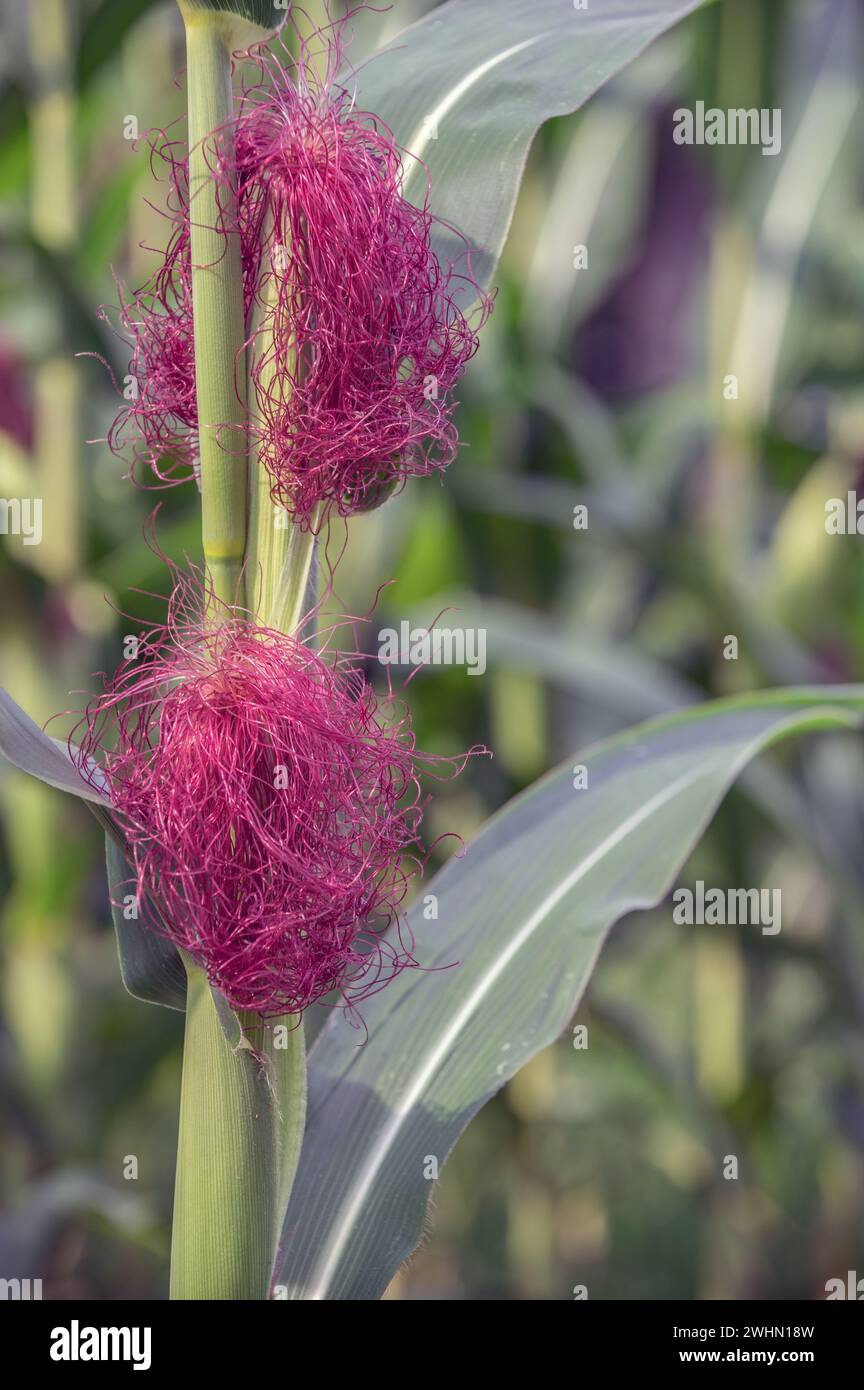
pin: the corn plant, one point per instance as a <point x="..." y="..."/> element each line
<point x="331" y="259"/>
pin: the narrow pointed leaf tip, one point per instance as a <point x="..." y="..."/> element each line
<point x="31" y="750"/>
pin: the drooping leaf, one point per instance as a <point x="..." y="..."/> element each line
<point x="150" y="965"/>
<point x="520" y="919"/>
<point x="29" y="748"/>
<point x="467" y="88"/>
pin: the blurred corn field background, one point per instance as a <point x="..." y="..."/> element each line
<point x="601" y="386"/>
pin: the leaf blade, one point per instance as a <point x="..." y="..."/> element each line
<point x="150" y="965"/>
<point x="441" y="1044"/>
<point x="547" y="60"/>
<point x="31" y="750"/>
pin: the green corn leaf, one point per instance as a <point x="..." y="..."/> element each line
<point x="29" y="748"/>
<point x="467" y="89"/>
<point x="150" y="966"/>
<point x="521" y="918"/>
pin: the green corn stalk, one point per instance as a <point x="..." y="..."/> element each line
<point x="217" y="295"/>
<point x="242" y="1106"/>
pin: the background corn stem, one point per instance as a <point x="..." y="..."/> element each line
<point x="37" y="988"/>
<point x="54" y="217"/>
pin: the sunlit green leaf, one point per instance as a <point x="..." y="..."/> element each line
<point x="519" y="921"/>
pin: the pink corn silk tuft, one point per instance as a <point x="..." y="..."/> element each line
<point x="158" y="426"/>
<point x="356" y="338"/>
<point x="271" y="813"/>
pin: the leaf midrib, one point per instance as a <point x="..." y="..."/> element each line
<point x="333" y="1251"/>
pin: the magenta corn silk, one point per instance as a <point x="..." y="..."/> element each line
<point x="356" y="339"/>
<point x="270" y="810"/>
<point x="270" y="801"/>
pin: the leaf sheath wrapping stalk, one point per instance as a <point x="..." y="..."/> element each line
<point x="242" y="1112"/>
<point x="279" y="554"/>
